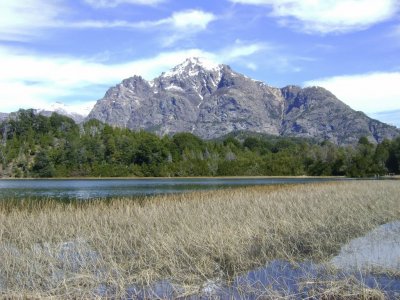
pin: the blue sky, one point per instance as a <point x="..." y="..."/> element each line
<point x="72" y="51"/>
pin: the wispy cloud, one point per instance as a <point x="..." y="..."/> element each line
<point x="182" y="25"/>
<point x="28" y="80"/>
<point x="396" y="31"/>
<point x="393" y="36"/>
<point x="240" y="49"/>
<point x="179" y="26"/>
<point x="370" y="93"/>
<point x="190" y="18"/>
<point x="186" y="20"/>
<point x="114" y="3"/>
<point x="23" y="20"/>
<point x="328" y="16"/>
<point x="252" y="55"/>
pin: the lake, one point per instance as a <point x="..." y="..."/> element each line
<point x="84" y="189"/>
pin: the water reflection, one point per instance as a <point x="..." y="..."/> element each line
<point x="84" y="189"/>
<point x="379" y="249"/>
<point x="366" y="262"/>
<point x="277" y="280"/>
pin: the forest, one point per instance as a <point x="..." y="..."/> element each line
<point x="32" y="145"/>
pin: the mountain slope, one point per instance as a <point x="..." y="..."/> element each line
<point x="212" y="100"/>
<point x="316" y="112"/>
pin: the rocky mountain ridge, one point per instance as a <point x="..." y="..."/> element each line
<point x="212" y="100"/>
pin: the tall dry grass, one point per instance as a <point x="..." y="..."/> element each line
<point x="75" y="250"/>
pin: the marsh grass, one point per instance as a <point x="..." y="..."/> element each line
<point x="346" y="289"/>
<point x="84" y="249"/>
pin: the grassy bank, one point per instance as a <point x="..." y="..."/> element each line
<point x="49" y="248"/>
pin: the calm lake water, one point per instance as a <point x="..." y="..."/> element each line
<point x="84" y="189"/>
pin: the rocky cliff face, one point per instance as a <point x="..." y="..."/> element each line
<point x="316" y="112"/>
<point x="213" y="100"/>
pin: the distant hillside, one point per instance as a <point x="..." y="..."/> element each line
<point x="211" y="100"/>
<point x="32" y="145"/>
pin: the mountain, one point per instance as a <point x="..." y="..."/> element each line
<point x="59" y="108"/>
<point x="65" y="110"/>
<point x="211" y="100"/>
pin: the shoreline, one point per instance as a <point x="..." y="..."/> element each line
<point x="172" y="178"/>
<point x="395" y="177"/>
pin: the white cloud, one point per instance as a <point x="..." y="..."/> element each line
<point x="267" y="56"/>
<point x="191" y="18"/>
<point x="329" y="16"/>
<point x="29" y="19"/>
<point x="370" y="93"/>
<point x="244" y="50"/>
<point x="179" y="26"/>
<point x="28" y="80"/>
<point x="22" y="20"/>
<point x="183" y="21"/>
<point x="114" y="3"/>
<point x="102" y="24"/>
<point x="251" y="66"/>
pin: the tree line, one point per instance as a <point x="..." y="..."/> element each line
<point x="37" y="146"/>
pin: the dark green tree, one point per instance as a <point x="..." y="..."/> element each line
<point x="43" y="166"/>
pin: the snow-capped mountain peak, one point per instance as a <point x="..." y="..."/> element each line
<point x="66" y="109"/>
<point x="192" y="66"/>
<point x="56" y="107"/>
<point x="78" y="112"/>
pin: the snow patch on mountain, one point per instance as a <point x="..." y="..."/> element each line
<point x="174" y="87"/>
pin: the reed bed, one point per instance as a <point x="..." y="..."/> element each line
<point x="83" y="249"/>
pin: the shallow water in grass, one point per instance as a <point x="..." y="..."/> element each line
<point x="84" y="189"/>
<point x="379" y="249"/>
<point x="278" y="280"/>
<point x="366" y="262"/>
